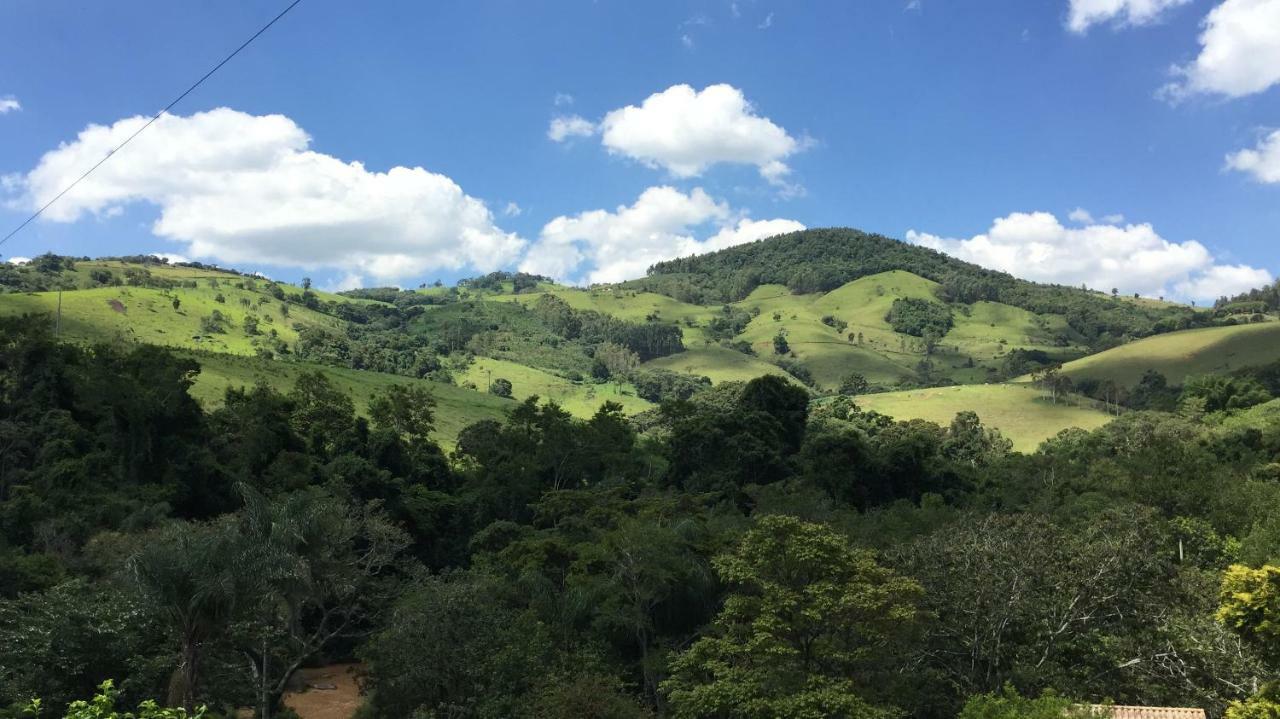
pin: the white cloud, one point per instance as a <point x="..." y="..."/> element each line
<point x="603" y="246"/>
<point x="687" y="41"/>
<point x="686" y="131"/>
<point x="1082" y="14"/>
<point x="567" y="126"/>
<point x="1224" y="281"/>
<point x="246" y="189"/>
<point x="1239" y="52"/>
<point x="913" y="6"/>
<point x="1263" y="162"/>
<point x="766" y="23"/>
<point x="171" y="257"/>
<point x="18" y="260"/>
<point x="562" y="98"/>
<point x="1081" y="216"/>
<point x="9" y="103"/>
<point x="512" y="210"/>
<point x="1133" y="258"/>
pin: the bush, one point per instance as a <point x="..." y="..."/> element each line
<point x="500" y="387"/>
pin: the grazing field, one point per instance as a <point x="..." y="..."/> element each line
<point x="143" y="314"/>
<point x="456" y="407"/>
<point x="1021" y="413"/>
<point x="578" y="398"/>
<point x="1179" y="354"/>
<point x="718" y="363"/>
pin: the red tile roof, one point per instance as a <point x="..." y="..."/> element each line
<point x="1128" y="712"/>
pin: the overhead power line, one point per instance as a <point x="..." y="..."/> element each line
<point x="155" y="117"/>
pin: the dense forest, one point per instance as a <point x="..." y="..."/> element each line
<point x="820" y="260"/>
<point x="742" y="551"/>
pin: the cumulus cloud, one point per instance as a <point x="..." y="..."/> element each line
<point x="246" y="189"/>
<point x="1083" y="14"/>
<point x="1239" y="52"/>
<point x="18" y="260"/>
<point x="1133" y="257"/>
<point x="9" y="103"/>
<point x="603" y="246"/>
<point x="564" y="127"/>
<point x="1263" y="162"/>
<point x="686" y="131"/>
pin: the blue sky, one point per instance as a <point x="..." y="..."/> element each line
<point x="1055" y="139"/>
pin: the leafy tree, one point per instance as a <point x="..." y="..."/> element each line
<point x="805" y="621"/>
<point x="500" y="387"/>
<point x="919" y="318"/>
<point x="316" y="572"/>
<point x="1009" y="704"/>
<point x="1218" y="392"/>
<point x="780" y="346"/>
<point x="618" y="360"/>
<point x="323" y="415"/>
<point x="854" y="384"/>
<point x="452" y="647"/>
<point x="190" y="574"/>
<point x="1249" y="605"/>
<point x="407" y="410"/>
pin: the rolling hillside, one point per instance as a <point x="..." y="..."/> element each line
<point x="733" y="311"/>
<point x="1179" y="354"/>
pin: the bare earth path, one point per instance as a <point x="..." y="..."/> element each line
<point x="314" y="699"/>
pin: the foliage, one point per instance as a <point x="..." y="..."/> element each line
<point x="103" y="706"/>
<point x="806" y="619"/>
<point x="1009" y="704"/>
<point x="919" y="318"/>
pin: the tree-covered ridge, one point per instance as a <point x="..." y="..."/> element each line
<point x="820" y="260"/>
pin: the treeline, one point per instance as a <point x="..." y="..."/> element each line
<point x="407" y="339"/>
<point x="739" y="552"/>
<point x="823" y="259"/>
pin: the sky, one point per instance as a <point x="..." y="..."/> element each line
<point x="1128" y="144"/>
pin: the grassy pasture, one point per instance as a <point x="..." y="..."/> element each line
<point x="1179" y="354"/>
<point x="580" y="399"/>
<point x="1020" y="412"/>
<point x="142" y="314"/>
<point x="718" y="363"/>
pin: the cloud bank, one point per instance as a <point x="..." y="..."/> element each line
<point x="1131" y="257"/>
<point x="241" y="188"/>
<point x="611" y="246"/>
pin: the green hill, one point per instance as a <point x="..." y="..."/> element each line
<point x="1179" y="354"/>
<point x="817" y="306"/>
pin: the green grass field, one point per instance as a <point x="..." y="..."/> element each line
<point x="579" y="398"/>
<point x="1179" y="354"/>
<point x="718" y="363"/>
<point x="1021" y="413"/>
<point x="141" y="314"/>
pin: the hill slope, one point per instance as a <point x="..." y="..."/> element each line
<point x="1179" y="354"/>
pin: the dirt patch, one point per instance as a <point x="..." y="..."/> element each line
<point x="330" y="692"/>
<point x="117" y="306"/>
